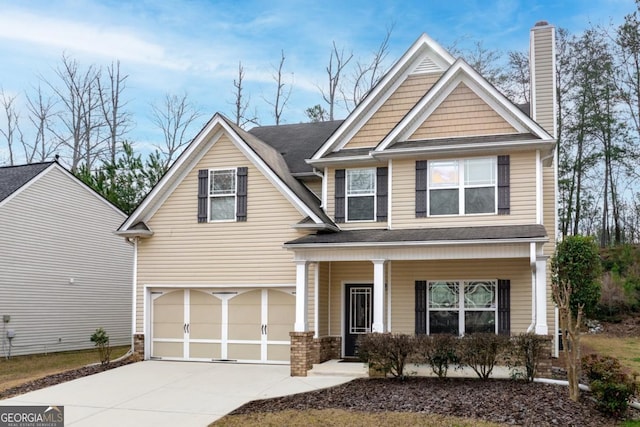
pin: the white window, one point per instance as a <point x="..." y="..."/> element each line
<point x="361" y="194"/>
<point x="222" y="195"/>
<point x="462" y="307"/>
<point x="463" y="187"/>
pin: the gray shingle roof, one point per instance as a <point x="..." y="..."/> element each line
<point x="279" y="166"/>
<point x="464" y="140"/>
<point x="296" y="142"/>
<point x="14" y="177"/>
<point x="524" y="232"/>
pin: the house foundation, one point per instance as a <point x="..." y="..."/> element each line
<point x="302" y="353"/>
<point x="138" y="345"/>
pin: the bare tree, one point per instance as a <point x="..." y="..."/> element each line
<point x="240" y="103"/>
<point x="80" y="115"/>
<point x="41" y="112"/>
<point x="116" y="120"/>
<point x="335" y="71"/>
<point x="11" y="133"/>
<point x="366" y="74"/>
<point x="282" y="94"/>
<point x="517" y="80"/>
<point x="174" y="117"/>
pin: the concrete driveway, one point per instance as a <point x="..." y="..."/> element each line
<point x="160" y="393"/>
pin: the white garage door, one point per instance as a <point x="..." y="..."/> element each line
<point x="211" y="324"/>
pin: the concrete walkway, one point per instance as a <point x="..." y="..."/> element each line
<point x="160" y="393"/>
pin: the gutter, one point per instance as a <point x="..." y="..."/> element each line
<point x="413" y="243"/>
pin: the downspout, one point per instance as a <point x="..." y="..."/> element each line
<point x="134" y="242"/>
<point x="316" y="305"/>
<point x="532" y="262"/>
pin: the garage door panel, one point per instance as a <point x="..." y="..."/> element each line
<point x="280" y="353"/>
<point x="205" y="316"/>
<point x="168" y="330"/>
<point x="204" y="350"/>
<point x="278" y="332"/>
<point x="168" y="349"/>
<point x="168" y="315"/>
<point x="244" y="351"/>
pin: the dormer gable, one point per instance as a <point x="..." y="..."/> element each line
<point x="422" y="64"/>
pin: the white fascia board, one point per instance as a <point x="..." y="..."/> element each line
<point x="87" y="188"/>
<point x="465" y="148"/>
<point x="293" y="246"/>
<point x="461" y="72"/>
<point x="271" y="175"/>
<point x="27" y="184"/>
<point x="340" y="160"/>
<point x="174" y="175"/>
<point x="381" y="92"/>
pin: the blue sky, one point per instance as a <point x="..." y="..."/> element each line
<point x="173" y="46"/>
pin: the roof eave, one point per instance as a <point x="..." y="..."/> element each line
<point x="527" y="240"/>
<point x="340" y="160"/>
<point x="144" y="234"/>
<point x="312" y="226"/>
<point x="471" y="148"/>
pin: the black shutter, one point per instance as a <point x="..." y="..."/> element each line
<point x="421" y="188"/>
<point x="421" y="307"/>
<point x="339" y="195"/>
<point x="382" y="191"/>
<point x="504" y="198"/>
<point x="504" y="307"/>
<point x="203" y="193"/>
<point x="241" y="194"/>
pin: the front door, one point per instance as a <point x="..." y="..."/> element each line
<point x="358" y="315"/>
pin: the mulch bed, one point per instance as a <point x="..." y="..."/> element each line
<point x="500" y="401"/>
<point x="61" y="378"/>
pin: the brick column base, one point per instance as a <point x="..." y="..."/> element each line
<point x="138" y="345"/>
<point x="302" y="353"/>
<point x="545" y="363"/>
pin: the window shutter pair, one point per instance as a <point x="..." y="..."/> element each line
<point x="382" y="191"/>
<point x="504" y="199"/>
<point x="504" y="307"/>
<point x="241" y="194"/>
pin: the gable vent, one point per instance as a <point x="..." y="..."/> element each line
<point x="426" y="66"/>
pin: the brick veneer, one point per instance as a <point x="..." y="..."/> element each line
<point x="138" y="345"/>
<point x="545" y="363"/>
<point x="326" y="348"/>
<point x="302" y="353"/>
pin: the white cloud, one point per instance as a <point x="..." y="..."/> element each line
<point x="74" y="36"/>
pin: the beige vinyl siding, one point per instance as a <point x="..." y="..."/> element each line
<point x="544" y="84"/>
<point x="393" y="110"/>
<point x="331" y="202"/>
<point x="52" y="231"/>
<point x="405" y="273"/>
<point x="311" y="289"/>
<point x="522" y="188"/>
<point x="549" y="219"/>
<point x="184" y="252"/>
<point x="463" y="113"/>
<point x="360" y="272"/>
<point x="315" y="186"/>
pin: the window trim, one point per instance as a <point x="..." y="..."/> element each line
<point x="461" y="186"/>
<point x="374" y="194"/>
<point x="461" y="309"/>
<point x="235" y="194"/>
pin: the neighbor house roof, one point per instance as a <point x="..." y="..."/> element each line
<point x="532" y="232"/>
<point x="13" y="178"/>
<point x="297" y="142"/>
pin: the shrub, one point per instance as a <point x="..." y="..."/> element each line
<point x="527" y="351"/>
<point x="386" y="352"/>
<point x="610" y="385"/>
<point x="480" y="352"/>
<point x="438" y="350"/>
<point x="101" y="340"/>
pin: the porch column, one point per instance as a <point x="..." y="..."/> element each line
<point x="541" y="296"/>
<point x="302" y="297"/>
<point x="378" y="296"/>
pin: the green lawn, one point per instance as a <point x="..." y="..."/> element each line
<point x="627" y="350"/>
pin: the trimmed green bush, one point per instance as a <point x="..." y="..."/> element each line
<point x="527" y="350"/>
<point x="610" y="385"/>
<point x="101" y="340"/>
<point x="386" y="352"/>
<point x="480" y="352"/>
<point x="438" y="350"/>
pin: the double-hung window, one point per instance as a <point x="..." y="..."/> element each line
<point x="463" y="187"/>
<point x="462" y="307"/>
<point x="222" y="195"/>
<point x="361" y="194"/>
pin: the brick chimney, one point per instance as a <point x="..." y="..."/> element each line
<point x="542" y="61"/>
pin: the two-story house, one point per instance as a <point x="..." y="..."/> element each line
<point x="429" y="209"/>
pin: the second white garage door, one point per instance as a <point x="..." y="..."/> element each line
<point x="222" y="324"/>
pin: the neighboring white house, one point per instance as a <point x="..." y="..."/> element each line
<point x="63" y="272"/>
